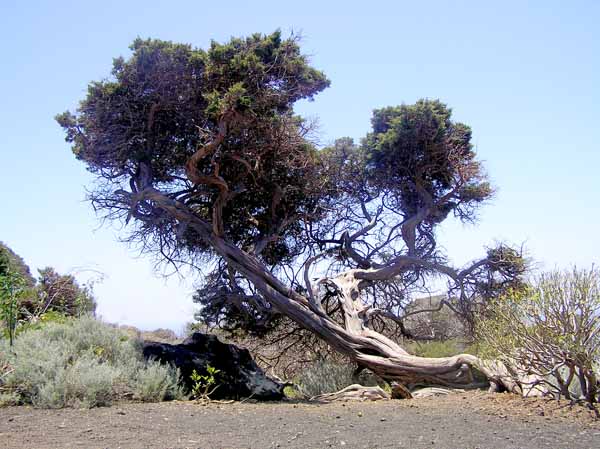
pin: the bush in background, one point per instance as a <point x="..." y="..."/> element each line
<point x="325" y="376"/>
<point x="60" y="293"/>
<point x="81" y="363"/>
<point x="25" y="301"/>
<point x="434" y="348"/>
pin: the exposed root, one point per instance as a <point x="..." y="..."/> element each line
<point x="433" y="391"/>
<point x="354" y="392"/>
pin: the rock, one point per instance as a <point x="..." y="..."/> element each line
<point x="239" y="376"/>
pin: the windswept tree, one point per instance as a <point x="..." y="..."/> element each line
<point x="201" y="154"/>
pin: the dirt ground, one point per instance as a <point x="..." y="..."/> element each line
<point x="461" y="420"/>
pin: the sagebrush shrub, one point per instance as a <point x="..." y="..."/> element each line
<point x="83" y="363"/>
<point x="433" y="349"/>
<point x="156" y="382"/>
<point x="324" y="376"/>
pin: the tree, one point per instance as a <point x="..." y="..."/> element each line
<point x="551" y="332"/>
<point x="61" y="294"/>
<point x="201" y="154"/>
<point x="9" y="260"/>
<point x="28" y="299"/>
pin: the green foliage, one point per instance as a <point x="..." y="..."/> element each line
<point x="11" y="261"/>
<point x="4" y="261"/>
<point x="61" y="294"/>
<point x="155" y="382"/>
<point x="12" y="287"/>
<point x="25" y="302"/>
<point x="191" y="146"/>
<point x="82" y="363"/>
<point x="325" y="377"/>
<point x="169" y="100"/>
<point x="204" y="385"/>
<point x="85" y="383"/>
<point x="417" y="155"/>
<point x="292" y="392"/>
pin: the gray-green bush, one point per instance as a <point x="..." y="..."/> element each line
<point x="324" y="376"/>
<point x="82" y="363"/>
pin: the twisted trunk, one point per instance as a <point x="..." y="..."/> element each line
<point x="356" y="340"/>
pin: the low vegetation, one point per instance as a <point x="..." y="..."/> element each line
<point x="436" y="348"/>
<point x="204" y="385"/>
<point x="81" y="362"/>
<point x="325" y="377"/>
<point x="549" y="334"/>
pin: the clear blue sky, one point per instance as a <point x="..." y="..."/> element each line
<point x="524" y="74"/>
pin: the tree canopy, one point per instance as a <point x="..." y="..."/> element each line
<point x="222" y="118"/>
<point x="201" y="154"/>
<point x="50" y="292"/>
<point x="11" y="261"/>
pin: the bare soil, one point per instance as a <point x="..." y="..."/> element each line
<point x="460" y="420"/>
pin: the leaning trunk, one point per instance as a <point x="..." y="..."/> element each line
<point x="356" y="340"/>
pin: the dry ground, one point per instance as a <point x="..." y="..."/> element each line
<point x="461" y="420"/>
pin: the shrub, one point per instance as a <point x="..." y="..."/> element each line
<point x="550" y="331"/>
<point x="325" y="377"/>
<point x="82" y="363"/>
<point x="86" y="383"/>
<point x="7" y="399"/>
<point x="432" y="349"/>
<point x="156" y="382"/>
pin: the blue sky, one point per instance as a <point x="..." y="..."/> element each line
<point x="524" y="75"/>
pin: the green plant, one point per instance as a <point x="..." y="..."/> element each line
<point x="291" y="392"/>
<point x="204" y="385"/>
<point x="204" y="151"/>
<point x="12" y="285"/>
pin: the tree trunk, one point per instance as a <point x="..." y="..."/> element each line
<point x="356" y="340"/>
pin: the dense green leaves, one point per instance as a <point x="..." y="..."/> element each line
<point x="421" y="155"/>
<point x="166" y="96"/>
<point x="149" y="111"/>
<point x="232" y="104"/>
<point x="63" y="294"/>
<point x="11" y="261"/>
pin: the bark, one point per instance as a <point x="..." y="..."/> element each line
<point x="356" y="340"/>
